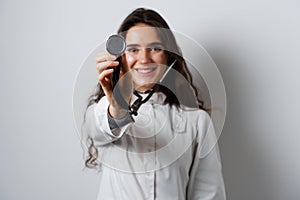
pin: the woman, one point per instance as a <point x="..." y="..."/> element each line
<point x="156" y="153"/>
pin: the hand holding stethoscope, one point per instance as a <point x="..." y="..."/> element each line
<point x="119" y="91"/>
<point x="106" y="64"/>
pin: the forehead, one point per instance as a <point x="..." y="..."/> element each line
<point x="142" y="34"/>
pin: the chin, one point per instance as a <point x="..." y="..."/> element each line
<point x="143" y="87"/>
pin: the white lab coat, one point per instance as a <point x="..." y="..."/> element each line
<point x="165" y="154"/>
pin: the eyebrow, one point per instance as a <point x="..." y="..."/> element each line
<point x="151" y="44"/>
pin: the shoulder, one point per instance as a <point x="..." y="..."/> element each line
<point x="193" y="113"/>
<point x="99" y="107"/>
<point x="194" y="118"/>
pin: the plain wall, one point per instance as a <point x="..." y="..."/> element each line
<point x="255" y="45"/>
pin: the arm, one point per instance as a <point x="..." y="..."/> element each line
<point x="99" y="121"/>
<point x="97" y="125"/>
<point x="206" y="179"/>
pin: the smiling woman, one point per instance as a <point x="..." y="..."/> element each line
<point x="155" y="154"/>
<point x="145" y="56"/>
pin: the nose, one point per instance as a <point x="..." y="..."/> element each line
<point x="144" y="56"/>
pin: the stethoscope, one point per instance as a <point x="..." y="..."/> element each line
<point x="116" y="45"/>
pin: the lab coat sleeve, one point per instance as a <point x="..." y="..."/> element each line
<point x="96" y="124"/>
<point x="206" y="179"/>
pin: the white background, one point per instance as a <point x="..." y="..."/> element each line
<point x="255" y="45"/>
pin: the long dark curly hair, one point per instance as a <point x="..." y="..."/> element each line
<point x="151" y="18"/>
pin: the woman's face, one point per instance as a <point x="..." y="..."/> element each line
<point x="145" y="56"/>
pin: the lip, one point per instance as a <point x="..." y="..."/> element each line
<point x="145" y="71"/>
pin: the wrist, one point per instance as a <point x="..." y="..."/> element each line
<point x="117" y="112"/>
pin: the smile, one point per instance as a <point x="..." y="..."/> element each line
<point x="146" y="70"/>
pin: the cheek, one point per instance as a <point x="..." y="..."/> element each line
<point x="160" y="58"/>
<point x="130" y="61"/>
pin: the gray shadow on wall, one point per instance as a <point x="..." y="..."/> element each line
<point x="244" y="167"/>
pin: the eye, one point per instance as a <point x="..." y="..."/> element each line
<point x="156" y="48"/>
<point x="132" y="50"/>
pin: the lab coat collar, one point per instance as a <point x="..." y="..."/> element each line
<point x="156" y="98"/>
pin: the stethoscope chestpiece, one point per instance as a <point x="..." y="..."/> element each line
<point x="116" y="45"/>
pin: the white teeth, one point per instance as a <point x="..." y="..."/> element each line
<point x="148" y="70"/>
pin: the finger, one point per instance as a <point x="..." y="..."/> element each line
<point x="105" y="56"/>
<point x="106" y="85"/>
<point x="104" y="65"/>
<point x="104" y="78"/>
